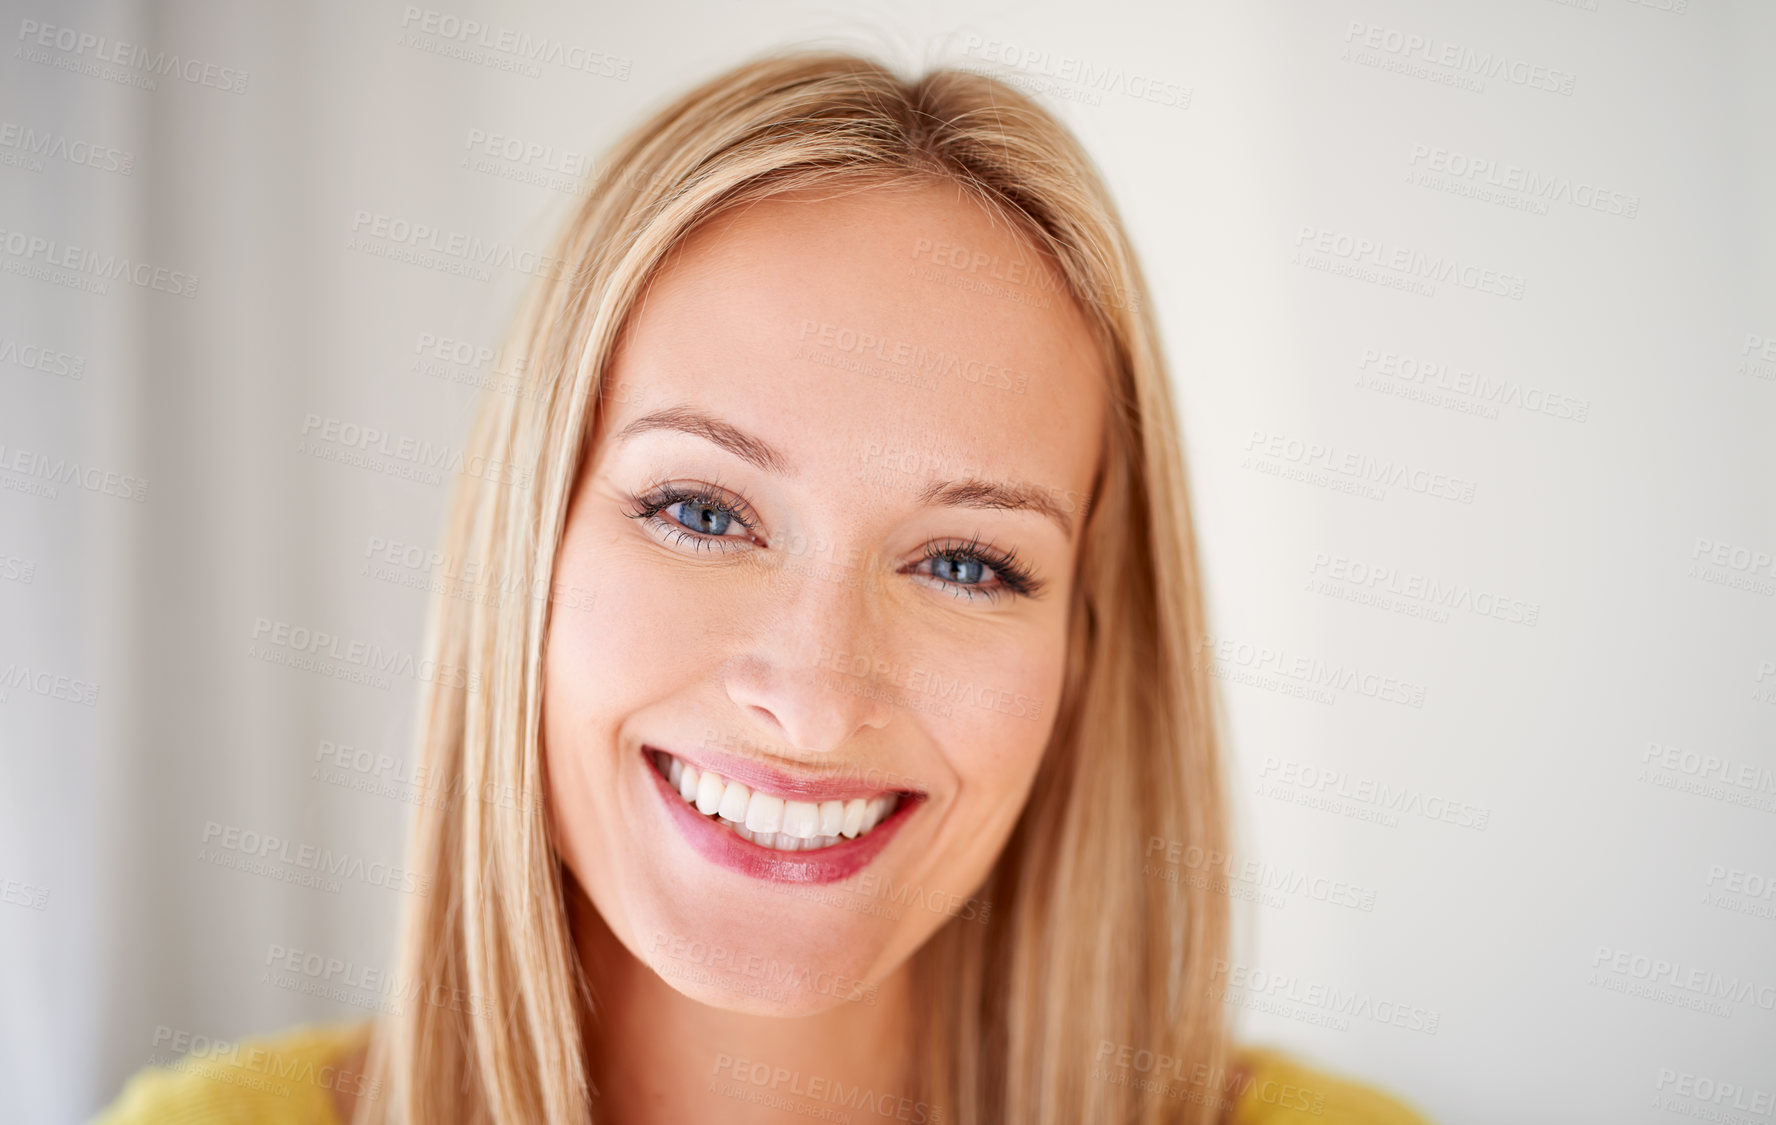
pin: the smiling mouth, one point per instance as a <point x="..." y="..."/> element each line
<point x="785" y="824"/>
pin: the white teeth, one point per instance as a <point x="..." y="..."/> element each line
<point x="853" y="824"/>
<point x="770" y="821"/>
<point x="872" y="812"/>
<point x="709" y="793"/>
<point x="832" y="817"/>
<point x="801" y="819"/>
<point x="764" y="813"/>
<point x="734" y="800"/>
<point x="780" y="842"/>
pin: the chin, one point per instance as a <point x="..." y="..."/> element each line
<point x="765" y="950"/>
<point x="779" y="918"/>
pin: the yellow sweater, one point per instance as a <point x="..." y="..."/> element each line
<point x="288" y="1079"/>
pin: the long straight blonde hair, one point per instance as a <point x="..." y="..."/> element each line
<point x="1082" y="953"/>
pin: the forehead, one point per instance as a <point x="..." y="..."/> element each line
<point x="905" y="328"/>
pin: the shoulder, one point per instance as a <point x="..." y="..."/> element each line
<point x="282" y="1079"/>
<point x="1274" y="1089"/>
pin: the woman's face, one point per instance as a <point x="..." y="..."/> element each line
<point x="824" y="548"/>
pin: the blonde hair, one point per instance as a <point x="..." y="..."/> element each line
<point x="1081" y="948"/>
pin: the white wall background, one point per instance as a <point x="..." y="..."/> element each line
<point x="1299" y="117"/>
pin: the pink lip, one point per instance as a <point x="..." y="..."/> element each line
<point x="759" y="776"/>
<point x="717" y="844"/>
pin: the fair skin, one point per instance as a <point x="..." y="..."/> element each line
<point x="868" y="596"/>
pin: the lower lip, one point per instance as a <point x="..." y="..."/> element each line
<point x="720" y="845"/>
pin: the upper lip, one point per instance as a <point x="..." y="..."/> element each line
<point x="835" y="783"/>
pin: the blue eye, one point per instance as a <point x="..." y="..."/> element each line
<point x="963" y="567"/>
<point x="704" y="517"/>
<point x="699" y="515"/>
<point x="966" y="571"/>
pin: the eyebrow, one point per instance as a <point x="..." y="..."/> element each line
<point x="707" y="426"/>
<point x="972" y="492"/>
<point x="967" y="492"/>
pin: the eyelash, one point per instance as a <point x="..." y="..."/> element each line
<point x="1013" y="576"/>
<point x="649" y="505"/>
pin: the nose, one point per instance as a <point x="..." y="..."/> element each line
<point x="794" y="673"/>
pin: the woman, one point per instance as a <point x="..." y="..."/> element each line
<point x="863" y="681"/>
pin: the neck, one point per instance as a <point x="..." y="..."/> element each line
<point x="660" y="1057"/>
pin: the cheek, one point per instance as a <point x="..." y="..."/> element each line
<point x="997" y="713"/>
<point x="630" y="636"/>
<point x="992" y="737"/>
<point x="637" y="634"/>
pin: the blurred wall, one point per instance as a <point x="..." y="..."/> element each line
<point x="1470" y="309"/>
